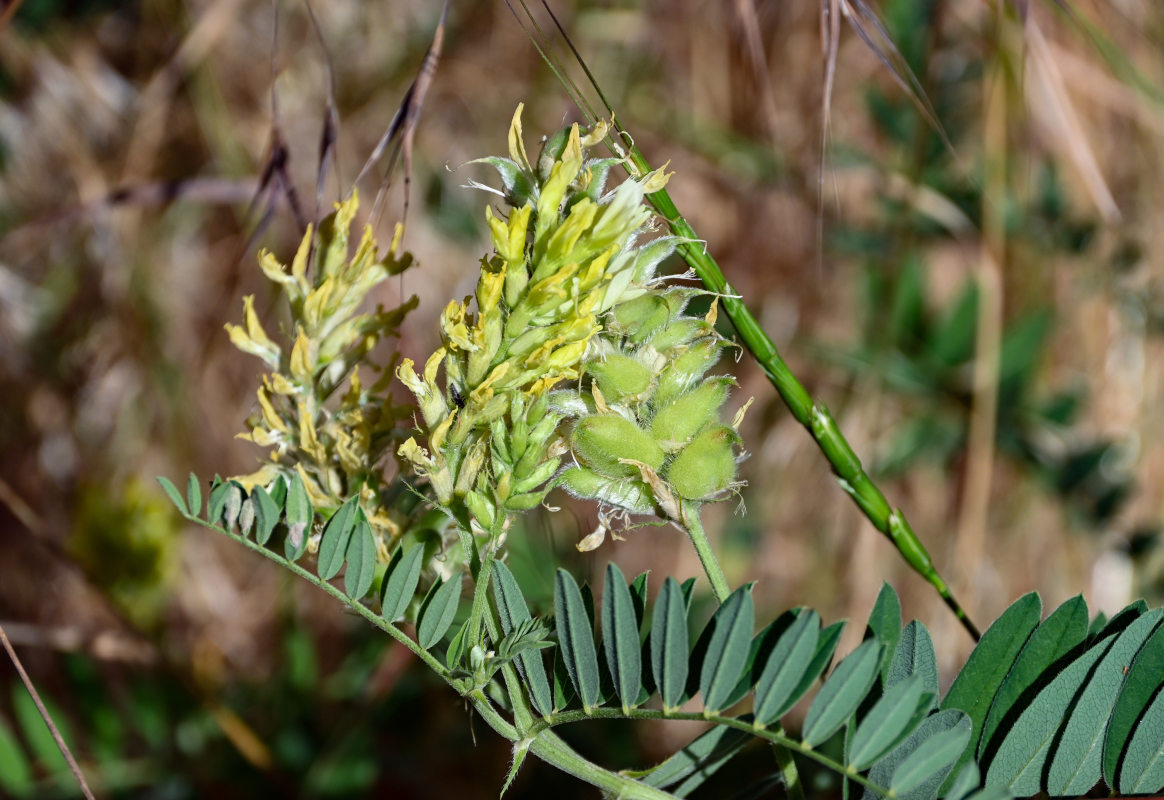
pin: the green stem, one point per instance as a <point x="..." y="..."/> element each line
<point x="694" y="527"/>
<point x="776" y="736"/>
<point x="481" y="583"/>
<point x="549" y="747"/>
<point x="832" y="443"/>
<point x="788" y="771"/>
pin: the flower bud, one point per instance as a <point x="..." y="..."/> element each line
<point x="600" y="442"/>
<point x="706" y="466"/>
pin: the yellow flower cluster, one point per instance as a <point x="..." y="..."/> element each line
<point x="564" y="256"/>
<point x="335" y="445"/>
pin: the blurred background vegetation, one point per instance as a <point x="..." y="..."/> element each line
<point x="965" y="266"/>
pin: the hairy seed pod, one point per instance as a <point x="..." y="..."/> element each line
<point x="634" y="496"/>
<point x="706" y="466"/>
<point x="686" y="370"/>
<point x="675" y="423"/>
<point x="642" y="316"/>
<point x="679" y="332"/>
<point x="620" y="376"/>
<point x="600" y="442"/>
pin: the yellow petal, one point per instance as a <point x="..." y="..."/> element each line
<point x="308" y="439"/>
<point x="302" y="359"/>
<point x="270" y="416"/>
<point x="263" y="476"/>
<point x="516" y="144"/>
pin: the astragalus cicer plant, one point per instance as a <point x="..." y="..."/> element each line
<point x="576" y="366"/>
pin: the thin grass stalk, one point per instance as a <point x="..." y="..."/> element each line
<point x="48" y="720"/>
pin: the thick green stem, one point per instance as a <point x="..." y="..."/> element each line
<point x="836" y="449"/>
<point x="694" y="527"/>
<point x="774" y="735"/>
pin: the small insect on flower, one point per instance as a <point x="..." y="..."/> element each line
<point x="458" y="398"/>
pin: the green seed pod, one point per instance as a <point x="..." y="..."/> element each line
<point x="686" y="370"/>
<point x="641" y="317"/>
<point x="675" y="423"/>
<point x="600" y="442"/>
<point x="706" y="466"/>
<point x="481" y="508"/>
<point x="634" y="496"/>
<point x="524" y="502"/>
<point x="679" y="332"/>
<point x="620" y="376"/>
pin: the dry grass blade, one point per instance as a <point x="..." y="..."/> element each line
<point x="330" y="131"/>
<point x="869" y="28"/>
<point x="1048" y="82"/>
<point x="48" y="720"/>
<point x="402" y="128"/>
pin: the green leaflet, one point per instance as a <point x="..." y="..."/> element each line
<point x="267" y="514"/>
<point x="826" y="646"/>
<point x="620" y="636"/>
<point x="786" y="669"/>
<point x="576" y="639"/>
<point x="884" y="770"/>
<point x="400" y="581"/>
<point x="963" y="782"/>
<point x="437" y="611"/>
<point x="216" y="503"/>
<point x="513" y="611"/>
<point x="933" y="757"/>
<point x="988" y="665"/>
<point x="669" y="644"/>
<point x="1061" y="632"/>
<point x="885" y="623"/>
<point x="456" y="652"/>
<point x="564" y="694"/>
<point x="1077" y="763"/>
<point x="333" y="545"/>
<point x="727" y="650"/>
<point x="896" y="715"/>
<point x="1143" y="677"/>
<point x="709" y="748"/>
<point x="299" y="516"/>
<point x="175" y="496"/>
<point x="1143" y="768"/>
<point x="758" y="653"/>
<point x="914" y="655"/>
<point x="844" y="690"/>
<point x="194" y="495"/>
<point x="361" y="558"/>
<point x="1026" y="745"/>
